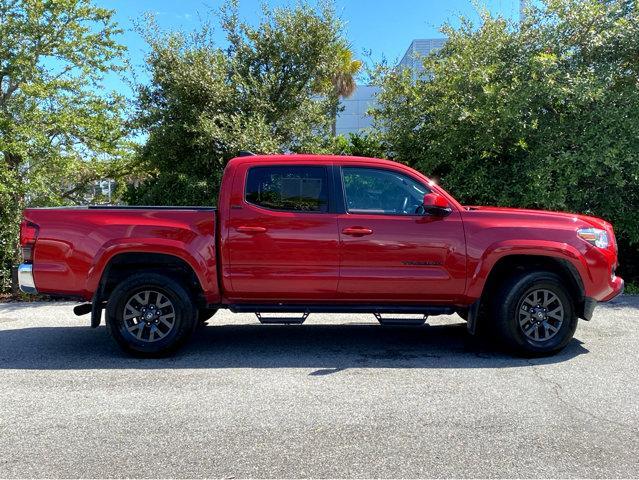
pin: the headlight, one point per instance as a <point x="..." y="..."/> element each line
<point x="594" y="236"/>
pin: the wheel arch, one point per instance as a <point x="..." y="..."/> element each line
<point x="509" y="265"/>
<point x="122" y="265"/>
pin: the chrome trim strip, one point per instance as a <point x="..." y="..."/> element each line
<point x="25" y="278"/>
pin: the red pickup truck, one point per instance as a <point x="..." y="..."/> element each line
<point x="297" y="234"/>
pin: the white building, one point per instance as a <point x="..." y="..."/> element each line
<point x="354" y="118"/>
<point x="418" y="49"/>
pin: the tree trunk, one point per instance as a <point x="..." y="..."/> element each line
<point x="13" y="162"/>
<point x="334" y="119"/>
<point x="15" y="289"/>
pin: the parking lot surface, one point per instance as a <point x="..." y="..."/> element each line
<point x="339" y="396"/>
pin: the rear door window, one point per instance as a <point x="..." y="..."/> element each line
<point x="288" y="188"/>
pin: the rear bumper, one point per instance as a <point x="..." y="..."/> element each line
<point x="25" y="278"/>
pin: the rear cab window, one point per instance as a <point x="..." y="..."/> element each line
<point x="289" y="188"/>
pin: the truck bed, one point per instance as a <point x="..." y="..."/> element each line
<point x="147" y="207"/>
<point x="75" y="244"/>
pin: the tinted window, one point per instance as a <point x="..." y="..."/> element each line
<point x="294" y="188"/>
<point x="370" y="190"/>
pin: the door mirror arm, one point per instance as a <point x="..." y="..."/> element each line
<point x="437" y="211"/>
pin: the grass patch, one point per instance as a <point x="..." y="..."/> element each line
<point x="631" y="288"/>
<point x="23" y="297"/>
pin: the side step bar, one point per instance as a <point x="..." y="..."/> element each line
<point x="393" y="321"/>
<point x="383" y="313"/>
<point x="282" y="320"/>
<point x="343" y="308"/>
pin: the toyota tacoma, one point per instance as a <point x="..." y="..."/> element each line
<point x="298" y="234"/>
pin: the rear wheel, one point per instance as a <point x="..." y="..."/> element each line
<point x="534" y="314"/>
<point x="150" y="314"/>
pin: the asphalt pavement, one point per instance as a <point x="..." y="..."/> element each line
<point x="339" y="396"/>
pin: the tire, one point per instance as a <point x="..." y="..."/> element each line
<point x="167" y="315"/>
<point x="534" y="314"/>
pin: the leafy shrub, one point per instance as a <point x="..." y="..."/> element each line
<point x="542" y="114"/>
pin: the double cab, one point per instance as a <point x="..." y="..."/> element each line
<point x="297" y="234"/>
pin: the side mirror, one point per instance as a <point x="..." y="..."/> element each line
<point x="435" y="205"/>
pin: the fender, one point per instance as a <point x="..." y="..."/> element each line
<point x="480" y="269"/>
<point x="204" y="268"/>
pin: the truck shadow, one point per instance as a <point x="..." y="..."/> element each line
<point x="323" y="349"/>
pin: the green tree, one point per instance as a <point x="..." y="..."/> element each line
<point x="56" y="130"/>
<point x="540" y="114"/>
<point x="269" y="90"/>
<point x="343" y="81"/>
<point x="360" y="144"/>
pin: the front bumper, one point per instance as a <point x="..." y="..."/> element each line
<point x="590" y="303"/>
<point x="617" y="285"/>
<point x="25" y="278"/>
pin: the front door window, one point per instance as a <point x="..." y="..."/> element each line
<point x="375" y="191"/>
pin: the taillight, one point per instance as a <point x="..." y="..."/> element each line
<point x="28" y="237"/>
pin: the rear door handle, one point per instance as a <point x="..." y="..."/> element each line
<point x="357" y="231"/>
<point x="249" y="229"/>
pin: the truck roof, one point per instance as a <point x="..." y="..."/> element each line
<point x="306" y="157"/>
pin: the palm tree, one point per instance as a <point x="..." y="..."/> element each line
<point x="343" y="80"/>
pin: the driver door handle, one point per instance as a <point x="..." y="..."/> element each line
<point x="357" y="231"/>
<point x="250" y="229"/>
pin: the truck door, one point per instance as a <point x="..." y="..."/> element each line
<point x="282" y="236"/>
<point x="389" y="251"/>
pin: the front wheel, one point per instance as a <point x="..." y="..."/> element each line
<point x="534" y="314"/>
<point x="150" y="314"/>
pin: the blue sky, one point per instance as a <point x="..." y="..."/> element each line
<point x="384" y="27"/>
